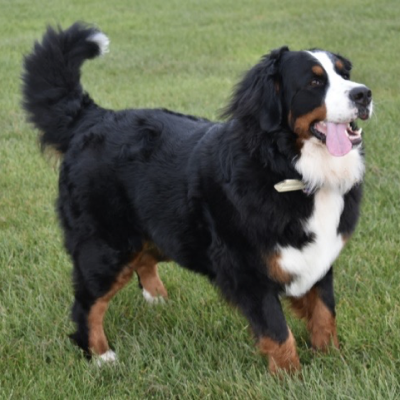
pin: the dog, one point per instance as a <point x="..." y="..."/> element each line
<point x="261" y="203"/>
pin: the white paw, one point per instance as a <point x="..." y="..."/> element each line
<point x="109" y="357"/>
<point x="152" y="300"/>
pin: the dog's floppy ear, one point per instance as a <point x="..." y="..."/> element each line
<point x="256" y="99"/>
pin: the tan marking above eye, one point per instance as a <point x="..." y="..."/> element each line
<point x="339" y="65"/>
<point x="318" y="70"/>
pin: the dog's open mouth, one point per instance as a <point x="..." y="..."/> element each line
<point x="339" y="138"/>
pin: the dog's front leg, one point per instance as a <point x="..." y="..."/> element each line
<point x="317" y="307"/>
<point x="275" y="340"/>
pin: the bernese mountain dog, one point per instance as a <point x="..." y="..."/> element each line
<point x="261" y="204"/>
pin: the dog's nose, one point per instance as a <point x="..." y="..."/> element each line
<point x="361" y="95"/>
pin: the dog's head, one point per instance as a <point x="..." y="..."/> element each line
<point x="308" y="92"/>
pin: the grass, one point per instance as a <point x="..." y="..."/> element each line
<point x="187" y="55"/>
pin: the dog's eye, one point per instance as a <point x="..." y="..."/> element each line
<point x="346" y="76"/>
<point x="316" y="82"/>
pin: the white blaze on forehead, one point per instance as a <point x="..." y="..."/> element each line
<point x="339" y="107"/>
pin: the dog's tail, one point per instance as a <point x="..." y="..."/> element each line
<point x="52" y="94"/>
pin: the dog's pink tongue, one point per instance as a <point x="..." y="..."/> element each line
<point x="337" y="142"/>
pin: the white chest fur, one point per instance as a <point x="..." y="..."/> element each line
<point x="311" y="263"/>
<point x="320" y="169"/>
<point x="332" y="177"/>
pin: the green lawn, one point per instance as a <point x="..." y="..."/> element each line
<point x="186" y="55"/>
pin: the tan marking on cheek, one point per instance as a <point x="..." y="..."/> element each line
<point x="321" y="323"/>
<point x="318" y="70"/>
<point x="302" y="124"/>
<point x="282" y="356"/>
<point x="275" y="270"/>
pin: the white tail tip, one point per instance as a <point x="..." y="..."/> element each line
<point x="101" y="40"/>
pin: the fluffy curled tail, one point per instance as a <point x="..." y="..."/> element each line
<point x="52" y="93"/>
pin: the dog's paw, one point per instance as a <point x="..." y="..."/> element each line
<point x="151" y="299"/>
<point x="108" y="358"/>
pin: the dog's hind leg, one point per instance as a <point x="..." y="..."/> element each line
<point x="145" y="266"/>
<point x="99" y="273"/>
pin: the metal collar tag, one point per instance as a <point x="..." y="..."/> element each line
<point x="289" y="185"/>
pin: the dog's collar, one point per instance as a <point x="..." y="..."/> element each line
<point x="290" y="185"/>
